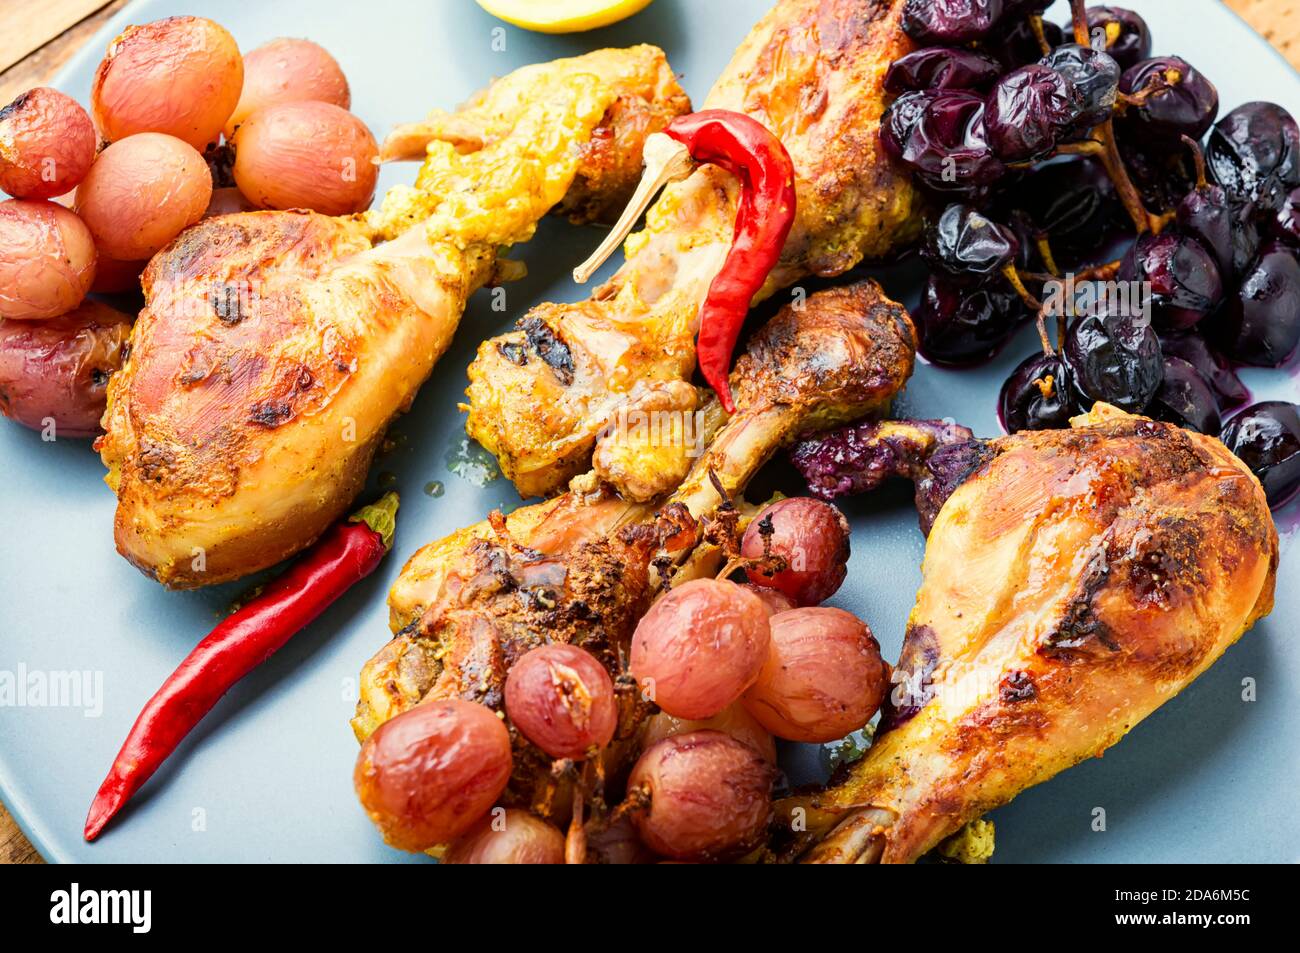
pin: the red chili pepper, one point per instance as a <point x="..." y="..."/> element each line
<point x="747" y="150"/>
<point x="347" y="553"/>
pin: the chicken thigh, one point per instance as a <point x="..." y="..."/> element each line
<point x="1074" y="581"/>
<point x="276" y="347"/>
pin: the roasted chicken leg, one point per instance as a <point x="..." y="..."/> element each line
<point x="1073" y="582"/>
<point x="581" y="567"/>
<point x="812" y="72"/>
<point x="276" y="347"/>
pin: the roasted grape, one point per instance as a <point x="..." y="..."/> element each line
<point x="1094" y="74"/>
<point x="708" y="796"/>
<point x="47" y="260"/>
<point x="811" y="536"/>
<point x="941" y="67"/>
<point x="1016" y="44"/>
<point x="562" y="700"/>
<point x="141" y="193"/>
<point x="56" y="371"/>
<point x="428" y="775"/>
<point x="180" y="76"/>
<point x="823" y="678"/>
<point x="1121" y="33"/>
<point x="1162" y="174"/>
<point x="700" y="646"/>
<point x="1113" y="358"/>
<point x="734" y="720"/>
<point x="1073" y="204"/>
<point x="968" y="245"/>
<point x="1037" y="395"/>
<point x="1029" y="111"/>
<point x="508" y="836"/>
<point x="1266" y="437"/>
<point x="941" y="137"/>
<point x="1176" y="100"/>
<point x="306" y="155"/>
<point x="288" y="71"/>
<point x="1185" y="399"/>
<point x="1214" y="370"/>
<point x="1261" y="323"/>
<point x="47" y="143"/>
<point x="1184" y="280"/>
<point x="773" y="599"/>
<point x="1254" y="153"/>
<point x="962" y="326"/>
<point x="950" y="22"/>
<point x="1206" y="213"/>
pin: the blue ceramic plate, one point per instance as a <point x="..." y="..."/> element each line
<point x="267" y="777"/>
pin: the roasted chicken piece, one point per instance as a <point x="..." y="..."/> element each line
<point x="583" y="567"/>
<point x="1074" y="581"/>
<point x="811" y="71"/>
<point x="276" y="347"/>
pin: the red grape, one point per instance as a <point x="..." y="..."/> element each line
<point x="180" y="76"/>
<point x="426" y="776"/>
<point x="306" y="155"/>
<point x="700" y="646"/>
<point x="508" y="836"/>
<point x="734" y="720"/>
<point x="774" y="599"/>
<point x="141" y="193"/>
<point x="288" y="71"/>
<point x="47" y="143"/>
<point x="58" y="369"/>
<point x="823" y="678"/>
<point x="709" y="796"/>
<point x="813" y="536"/>
<point x="562" y="700"/>
<point x="47" y="260"/>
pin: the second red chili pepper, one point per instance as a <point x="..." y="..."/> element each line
<point x="347" y="553"/>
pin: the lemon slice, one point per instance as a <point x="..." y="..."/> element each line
<point x="562" y="16"/>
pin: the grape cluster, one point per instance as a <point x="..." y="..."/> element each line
<point x="1048" y="150"/>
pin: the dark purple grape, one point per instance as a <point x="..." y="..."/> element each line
<point x="1014" y="43"/>
<point x="1113" y="357"/>
<point x="950" y="22"/>
<point x="1073" y="203"/>
<point x="946" y="144"/>
<point x="962" y="326"/>
<point x="941" y="67"/>
<point x="1184" y="102"/>
<point x="1185" y="399"/>
<point x="1037" y="395"/>
<point x="1162" y="176"/>
<point x="902" y="116"/>
<point x="1094" y="74"/>
<point x="1213" y="368"/>
<point x="1121" y="33"/>
<point x="1266" y="437"/>
<point x="968" y="245"/>
<point x="1028" y="111"/>
<point x="1286" y="224"/>
<point x="1254" y="153"/>
<point x="1206" y="214"/>
<point x="1260" y="324"/>
<point x="1185" y="282"/>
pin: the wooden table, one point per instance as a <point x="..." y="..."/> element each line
<point x="34" y="46"/>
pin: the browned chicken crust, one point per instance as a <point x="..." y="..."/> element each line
<point x="1075" y="582"/>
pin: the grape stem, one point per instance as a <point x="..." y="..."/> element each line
<point x="1079" y="17"/>
<point x="1198" y="159"/>
<point x="1013" y="276"/>
<point x="1036" y="24"/>
<point x="1044" y="245"/>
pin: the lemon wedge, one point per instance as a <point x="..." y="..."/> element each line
<point x="562" y="16"/>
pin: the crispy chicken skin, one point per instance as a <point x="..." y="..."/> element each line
<point x="812" y="71"/>
<point x="276" y="347"/>
<point x="1073" y="582"/>
<point x="582" y="567"/>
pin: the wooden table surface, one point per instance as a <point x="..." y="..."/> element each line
<point x="33" y="46"/>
